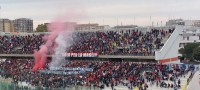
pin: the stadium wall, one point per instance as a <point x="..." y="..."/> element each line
<point x="169" y="52"/>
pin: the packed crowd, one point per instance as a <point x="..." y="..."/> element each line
<point x="124" y="42"/>
<point x="22" y="44"/>
<point x="110" y="74"/>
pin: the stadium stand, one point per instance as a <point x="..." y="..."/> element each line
<point x="124" y="42"/>
<point x="110" y="44"/>
<point x="111" y="74"/>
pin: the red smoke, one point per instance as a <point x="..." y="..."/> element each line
<point x="40" y="56"/>
<point x="55" y="28"/>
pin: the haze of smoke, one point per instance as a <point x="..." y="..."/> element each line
<point x="40" y="56"/>
<point x="63" y="40"/>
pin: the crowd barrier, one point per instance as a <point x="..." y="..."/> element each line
<point x="11" y="86"/>
<point x="99" y="56"/>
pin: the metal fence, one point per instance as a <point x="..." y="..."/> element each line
<point x="11" y="86"/>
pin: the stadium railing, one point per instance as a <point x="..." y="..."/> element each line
<point x="11" y="86"/>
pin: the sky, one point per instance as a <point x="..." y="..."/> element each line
<point x="103" y="12"/>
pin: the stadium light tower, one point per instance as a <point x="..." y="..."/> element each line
<point x="134" y="20"/>
<point x="0" y="21"/>
<point x="150" y="20"/>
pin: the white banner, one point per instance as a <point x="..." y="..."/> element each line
<point x="80" y="55"/>
<point x="67" y="71"/>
